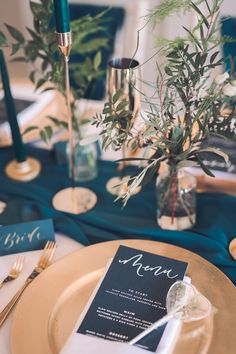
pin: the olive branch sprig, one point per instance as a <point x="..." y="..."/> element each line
<point x="187" y="106"/>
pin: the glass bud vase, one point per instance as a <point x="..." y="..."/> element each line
<point x="176" y="199"/>
<point x="85" y="159"/>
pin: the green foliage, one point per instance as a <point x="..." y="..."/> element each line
<point x="3" y="40"/>
<point x="41" y="45"/>
<point x="186" y="106"/>
<point x="116" y="121"/>
<point x="167" y="8"/>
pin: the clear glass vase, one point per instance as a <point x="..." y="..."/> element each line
<point x="85" y="159"/>
<point x="176" y="199"/>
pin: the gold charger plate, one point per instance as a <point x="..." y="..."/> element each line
<point x="50" y="307"/>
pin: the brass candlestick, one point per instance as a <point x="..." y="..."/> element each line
<point x="73" y="200"/>
<point x="22" y="168"/>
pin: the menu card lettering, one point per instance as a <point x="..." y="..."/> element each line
<point x="132" y="296"/>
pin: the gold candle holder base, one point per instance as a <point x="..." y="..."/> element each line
<point x="76" y="200"/>
<point x="3" y="206"/>
<point x="232" y="248"/>
<point x="23" y="171"/>
<point x="118" y="186"/>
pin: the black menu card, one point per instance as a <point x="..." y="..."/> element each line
<point x="132" y="296"/>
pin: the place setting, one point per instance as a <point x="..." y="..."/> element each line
<point x="117" y="223"/>
<point x="105" y="295"/>
<point x="88" y="296"/>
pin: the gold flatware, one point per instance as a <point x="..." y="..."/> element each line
<point x="15" y="271"/>
<point x="43" y="263"/>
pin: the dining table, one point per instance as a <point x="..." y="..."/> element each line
<point x="109" y="220"/>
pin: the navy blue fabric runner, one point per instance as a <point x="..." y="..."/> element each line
<point x="215" y="227"/>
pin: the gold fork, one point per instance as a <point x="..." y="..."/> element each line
<point x="43" y="263"/>
<point x="15" y="271"/>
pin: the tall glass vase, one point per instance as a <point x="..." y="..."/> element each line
<point x="176" y="199"/>
<point x="123" y="74"/>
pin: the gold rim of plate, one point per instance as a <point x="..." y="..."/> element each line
<point x="50" y="307"/>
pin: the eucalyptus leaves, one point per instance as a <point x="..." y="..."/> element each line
<point x="116" y="120"/>
<point x="40" y="50"/>
<point x="187" y="106"/>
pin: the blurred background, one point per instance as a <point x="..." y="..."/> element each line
<point x="126" y="18"/>
<point x="17" y="13"/>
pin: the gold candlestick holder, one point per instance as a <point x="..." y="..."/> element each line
<point x="23" y="171"/>
<point x="74" y="199"/>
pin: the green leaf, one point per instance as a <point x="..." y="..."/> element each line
<point x="58" y="122"/>
<point x="29" y="129"/>
<point x="44" y="65"/>
<point x="35" y="8"/>
<point x="203" y="58"/>
<point x="107" y="111"/>
<point x="204" y="167"/>
<point x="106" y="142"/>
<point x="3" y="39"/>
<point x="168" y="71"/>
<point x="201" y="14"/>
<point x="216" y="152"/>
<point x="34" y="35"/>
<point x="40" y="83"/>
<point x="48" y="89"/>
<point x="15" y="47"/>
<point x="121" y="105"/>
<point x="149" y="174"/>
<point x="48" y="130"/>
<point x="32" y="76"/>
<point x="97" y="60"/>
<point x="18" y="59"/>
<point x="117" y="95"/>
<point x="198" y="60"/>
<point x="177" y="134"/>
<point x="213" y="57"/>
<point x="173" y="55"/>
<point x="193" y="37"/>
<point x="37" y="25"/>
<point x="43" y="136"/>
<point x="15" y="34"/>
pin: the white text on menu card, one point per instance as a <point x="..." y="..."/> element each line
<point x="140" y="268"/>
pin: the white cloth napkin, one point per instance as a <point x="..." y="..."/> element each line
<point x="84" y="344"/>
<point x="64" y="246"/>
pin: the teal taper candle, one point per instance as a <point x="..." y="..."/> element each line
<point x="11" y="112"/>
<point x="62" y="16"/>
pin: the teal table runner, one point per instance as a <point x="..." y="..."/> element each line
<point x="216" y="213"/>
